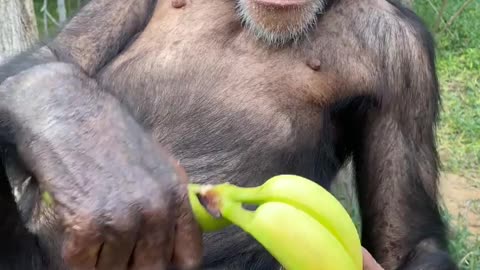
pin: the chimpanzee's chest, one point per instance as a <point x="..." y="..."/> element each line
<point x="227" y="106"/>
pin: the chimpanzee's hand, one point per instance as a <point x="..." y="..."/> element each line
<point x="122" y="200"/>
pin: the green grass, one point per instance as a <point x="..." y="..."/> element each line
<point x="463" y="33"/>
<point x="464" y="246"/>
<point x="459" y="130"/>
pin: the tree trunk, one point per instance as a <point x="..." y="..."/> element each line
<point x="18" y="27"/>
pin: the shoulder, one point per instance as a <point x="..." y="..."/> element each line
<point x="394" y="30"/>
<point x="375" y="24"/>
<point x="377" y="45"/>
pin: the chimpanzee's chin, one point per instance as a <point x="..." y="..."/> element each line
<point x="279" y="25"/>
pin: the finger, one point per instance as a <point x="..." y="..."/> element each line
<point x="81" y="247"/>
<point x="154" y="246"/>
<point x="116" y="250"/>
<point x="188" y="248"/>
<point x="369" y="263"/>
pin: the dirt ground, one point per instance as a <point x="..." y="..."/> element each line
<point x="462" y="198"/>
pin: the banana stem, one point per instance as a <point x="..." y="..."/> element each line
<point x="236" y="193"/>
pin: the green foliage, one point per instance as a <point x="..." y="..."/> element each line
<point x="464" y="245"/>
<point x="50" y="26"/>
<point x="463" y="33"/>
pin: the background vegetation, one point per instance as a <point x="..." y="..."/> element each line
<point x="456" y="25"/>
<point x="458" y="63"/>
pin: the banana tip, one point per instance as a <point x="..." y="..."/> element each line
<point x="210" y="200"/>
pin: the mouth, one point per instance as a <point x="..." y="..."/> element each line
<point x="281" y="4"/>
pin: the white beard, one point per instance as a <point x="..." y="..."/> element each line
<point x="293" y="32"/>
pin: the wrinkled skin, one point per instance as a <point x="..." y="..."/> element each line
<point x="131" y="101"/>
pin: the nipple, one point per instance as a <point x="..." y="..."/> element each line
<point x="179" y="3"/>
<point x="314" y="64"/>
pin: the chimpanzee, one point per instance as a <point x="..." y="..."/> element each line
<point x="133" y="99"/>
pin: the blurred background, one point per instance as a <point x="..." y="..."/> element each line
<point x="456" y="27"/>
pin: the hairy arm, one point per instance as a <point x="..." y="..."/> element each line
<point x="121" y="200"/>
<point x="395" y="154"/>
<point x="92" y="38"/>
<point x="100" y="31"/>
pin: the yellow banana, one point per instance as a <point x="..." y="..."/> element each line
<point x="311" y="198"/>
<point x="293" y="237"/>
<point x="305" y="196"/>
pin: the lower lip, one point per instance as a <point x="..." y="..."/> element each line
<point x="281" y="3"/>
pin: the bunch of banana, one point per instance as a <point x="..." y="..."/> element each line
<point x="301" y="224"/>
